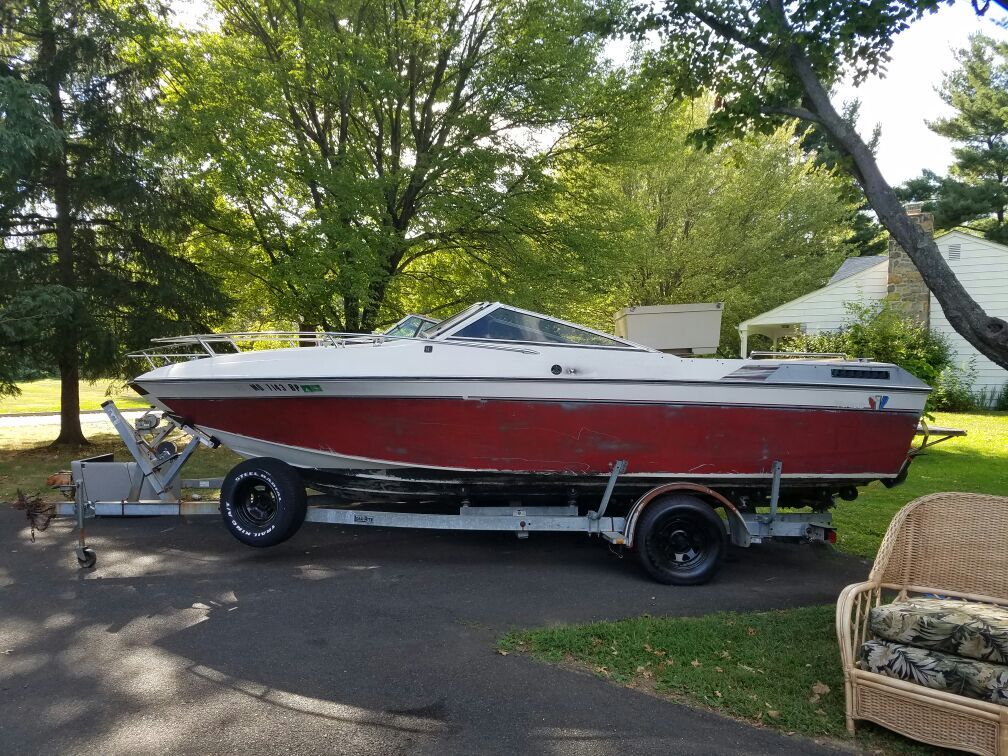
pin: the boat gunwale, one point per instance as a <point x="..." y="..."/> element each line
<point x="550" y="380"/>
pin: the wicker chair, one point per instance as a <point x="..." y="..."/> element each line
<point x="952" y="544"/>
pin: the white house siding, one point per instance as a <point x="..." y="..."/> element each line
<point x="823" y="309"/>
<point x="982" y="268"/>
<point x="827" y="311"/>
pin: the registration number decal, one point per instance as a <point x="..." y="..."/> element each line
<point x="287" y="388"/>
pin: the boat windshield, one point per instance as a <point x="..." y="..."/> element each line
<point x="454" y="320"/>
<point x="411" y="325"/>
<point x="505" y="324"/>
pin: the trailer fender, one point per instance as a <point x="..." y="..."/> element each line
<point x="738" y="532"/>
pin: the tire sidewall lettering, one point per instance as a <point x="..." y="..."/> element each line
<point x="260" y="476"/>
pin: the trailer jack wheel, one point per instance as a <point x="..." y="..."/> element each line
<point x="86" y="557"/>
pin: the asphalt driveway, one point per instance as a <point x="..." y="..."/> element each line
<point x="347" y="640"/>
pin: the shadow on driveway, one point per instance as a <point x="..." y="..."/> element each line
<point x="344" y="640"/>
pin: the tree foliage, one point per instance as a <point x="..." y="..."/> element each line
<point x="354" y="144"/>
<point x="92" y="211"/>
<point x="768" y="60"/>
<point x="976" y="191"/>
<point x="754" y="222"/>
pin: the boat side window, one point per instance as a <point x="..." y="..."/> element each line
<point x="507" y="325"/>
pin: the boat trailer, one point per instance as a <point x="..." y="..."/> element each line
<point x="151" y="485"/>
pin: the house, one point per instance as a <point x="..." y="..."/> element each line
<point x="981" y="266"/>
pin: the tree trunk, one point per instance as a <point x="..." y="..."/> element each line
<point x="351" y="314"/>
<point x="70" y="428"/>
<point x="987" y="334"/>
<point x="307" y="327"/>
<point x="66" y="331"/>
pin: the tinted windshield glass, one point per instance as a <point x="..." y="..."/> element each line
<point x="507" y="325"/>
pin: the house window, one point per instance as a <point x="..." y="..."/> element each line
<point x="954" y="251"/>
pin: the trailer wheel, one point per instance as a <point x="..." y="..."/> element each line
<point x="680" y="540"/>
<point x="263" y="501"/>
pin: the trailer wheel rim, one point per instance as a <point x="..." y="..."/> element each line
<point x="255" y="504"/>
<point x="679" y="541"/>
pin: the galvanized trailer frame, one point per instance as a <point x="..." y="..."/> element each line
<point x="151" y="485"/>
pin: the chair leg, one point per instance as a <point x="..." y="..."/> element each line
<point x="849" y="704"/>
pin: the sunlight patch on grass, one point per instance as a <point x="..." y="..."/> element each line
<point x="44" y="396"/>
<point x="26" y="459"/>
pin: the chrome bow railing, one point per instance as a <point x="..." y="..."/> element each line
<point x="201" y="345"/>
<point x="172" y="349"/>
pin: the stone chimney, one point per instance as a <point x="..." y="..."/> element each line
<point x="906" y="287"/>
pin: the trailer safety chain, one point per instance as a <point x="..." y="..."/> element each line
<point x="39" y="513"/>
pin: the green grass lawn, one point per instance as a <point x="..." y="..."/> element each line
<point x="44" y="396"/>
<point x="778" y="669"/>
<point x="977" y="463"/>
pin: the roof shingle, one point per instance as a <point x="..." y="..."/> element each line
<point x="854" y="265"/>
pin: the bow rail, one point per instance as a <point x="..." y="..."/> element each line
<point x="170" y="349"/>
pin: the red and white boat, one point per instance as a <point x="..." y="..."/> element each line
<point x="500" y="401"/>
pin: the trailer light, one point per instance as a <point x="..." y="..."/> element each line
<point x="830" y="536"/>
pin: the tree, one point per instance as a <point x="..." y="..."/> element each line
<point x="92" y="210"/>
<point x="767" y="61"/>
<point x="976" y="192"/>
<point x="349" y="141"/>
<point x="752" y="223"/>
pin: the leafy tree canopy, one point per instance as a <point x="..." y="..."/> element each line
<point x="754" y="222"/>
<point x="867" y="236"/>
<point x="767" y="60"/>
<point x="976" y="192"/>
<point x="353" y="145"/>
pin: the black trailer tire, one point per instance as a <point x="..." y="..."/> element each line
<point x="263" y="501"/>
<point x="680" y="540"/>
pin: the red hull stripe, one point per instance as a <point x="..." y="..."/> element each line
<point x="576" y="437"/>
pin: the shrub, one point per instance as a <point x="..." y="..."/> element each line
<point x="993" y="398"/>
<point x="953" y="391"/>
<point x="1001" y="400"/>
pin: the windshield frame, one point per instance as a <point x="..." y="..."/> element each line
<point x="461" y="316"/>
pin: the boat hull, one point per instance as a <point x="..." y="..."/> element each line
<point x="574" y="438"/>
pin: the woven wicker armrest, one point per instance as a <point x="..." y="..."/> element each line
<point x="852" y="619"/>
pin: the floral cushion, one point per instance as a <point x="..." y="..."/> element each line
<point x="937" y="670"/>
<point x="965" y="628"/>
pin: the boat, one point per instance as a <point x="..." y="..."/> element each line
<point x="501" y="403"/>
